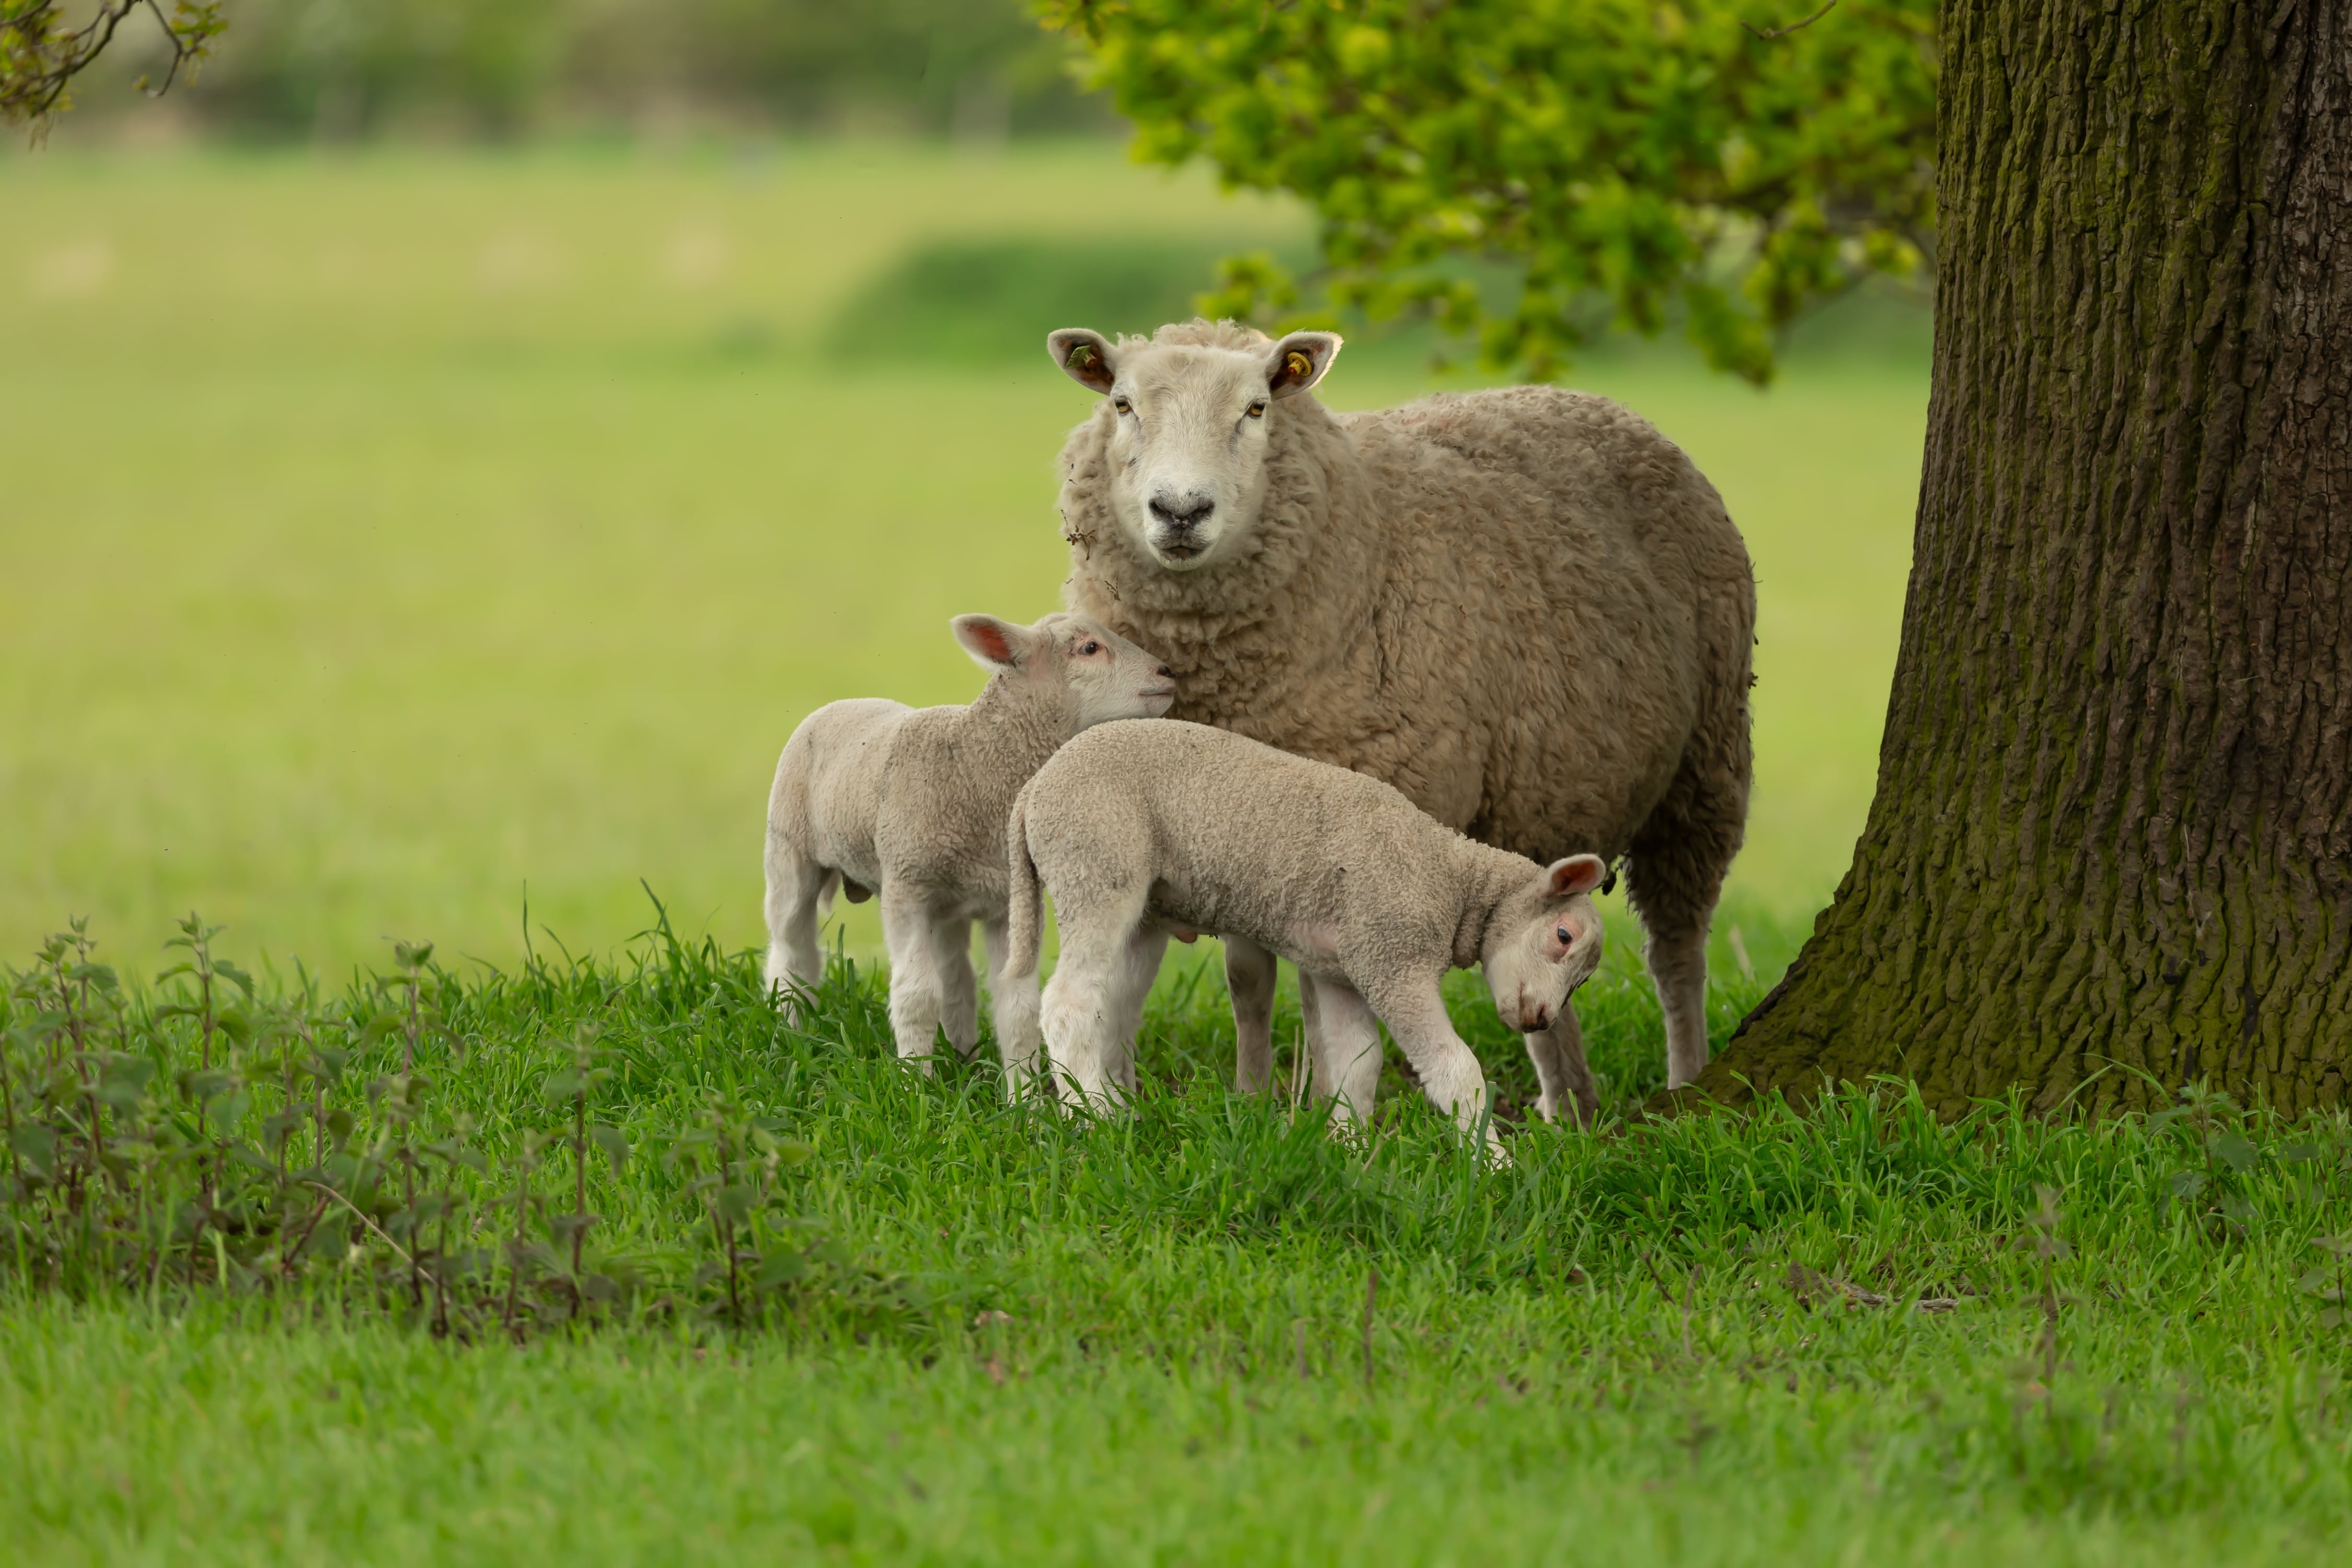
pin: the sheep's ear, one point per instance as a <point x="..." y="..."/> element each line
<point x="1298" y="362"/>
<point x="1085" y="357"/>
<point x="994" y="644"/>
<point x="1577" y="874"/>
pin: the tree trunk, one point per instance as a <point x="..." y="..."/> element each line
<point x="2112" y="833"/>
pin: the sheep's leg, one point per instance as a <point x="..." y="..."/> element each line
<point x="1348" y="1059"/>
<point x="1310" y="1038"/>
<point x="1139" y="967"/>
<point x="796" y="890"/>
<point x="1014" y="1002"/>
<point x="1084" y="1006"/>
<point x="1448" y="1069"/>
<point x="958" y="991"/>
<point x="1674" y="873"/>
<point x="915" y="992"/>
<point x="1678" y="969"/>
<point x="1558" y="1054"/>
<point x="1249" y="980"/>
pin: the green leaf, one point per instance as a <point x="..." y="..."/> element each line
<point x="781" y="1267"/>
<point x="733" y="1203"/>
<point x="235" y="976"/>
<point x="615" y="1145"/>
<point x="2233" y="1149"/>
<point x="2187" y="1183"/>
<point x="37" y="1145"/>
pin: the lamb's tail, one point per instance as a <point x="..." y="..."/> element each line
<point x="1025" y="917"/>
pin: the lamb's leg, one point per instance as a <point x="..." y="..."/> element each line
<point x="1014" y="1002"/>
<point x="958" y="991"/>
<point x="1249" y="980"/>
<point x="916" y="997"/>
<point x="1348" y="1061"/>
<point x="1084" y="1005"/>
<point x="1448" y="1069"/>
<point x="797" y="886"/>
<point x="1558" y="1054"/>
<point x="1139" y="967"/>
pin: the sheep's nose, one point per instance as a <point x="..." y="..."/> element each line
<point x="1542" y="1020"/>
<point x="1162" y="671"/>
<point x="1181" y="512"/>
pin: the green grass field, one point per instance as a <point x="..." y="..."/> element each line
<point x="380" y="537"/>
<point x="1854" y="1336"/>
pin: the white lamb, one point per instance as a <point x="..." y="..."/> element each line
<point x="1524" y="608"/>
<point x="1143" y="826"/>
<point x="871" y="795"/>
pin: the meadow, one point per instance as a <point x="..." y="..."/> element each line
<point x="438" y="547"/>
<point x="385" y="540"/>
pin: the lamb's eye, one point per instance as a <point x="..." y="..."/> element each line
<point x="1122" y="404"/>
<point x="1565" y="939"/>
<point x="1257" y="410"/>
<point x="1091" y="647"/>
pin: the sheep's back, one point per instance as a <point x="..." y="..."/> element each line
<point x="830" y="780"/>
<point x="1237" y="836"/>
<point x="1565" y="596"/>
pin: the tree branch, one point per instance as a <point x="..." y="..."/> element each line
<point x="1793" y="26"/>
<point x="40" y="56"/>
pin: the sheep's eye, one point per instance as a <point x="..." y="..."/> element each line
<point x="1257" y="410"/>
<point x="1091" y="647"/>
<point x="1122" y="404"/>
<point x="1565" y="939"/>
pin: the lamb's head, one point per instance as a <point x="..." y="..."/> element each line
<point x="1544" y="942"/>
<point x="1191" y="422"/>
<point x="1078" y="669"/>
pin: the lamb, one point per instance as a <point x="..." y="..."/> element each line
<point x="1524" y="608"/>
<point x="1151" y="823"/>
<point x="871" y="795"/>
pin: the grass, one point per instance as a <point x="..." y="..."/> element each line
<point x="383" y="537"/>
<point x="390" y="539"/>
<point x="1146" y="1340"/>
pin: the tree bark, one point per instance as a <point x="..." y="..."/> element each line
<point x="2112" y="841"/>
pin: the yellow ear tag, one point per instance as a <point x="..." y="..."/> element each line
<point x="1298" y="365"/>
<point x="1082" y="356"/>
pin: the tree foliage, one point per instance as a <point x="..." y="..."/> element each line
<point x="41" y="50"/>
<point x="1720" y="163"/>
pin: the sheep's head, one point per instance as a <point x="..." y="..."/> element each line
<point x="1078" y="667"/>
<point x="1544" y="942"/>
<point x="1190" y="423"/>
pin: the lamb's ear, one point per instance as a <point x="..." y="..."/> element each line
<point x="994" y="644"/>
<point x="1577" y="874"/>
<point x="1086" y="357"/>
<point x="1298" y="362"/>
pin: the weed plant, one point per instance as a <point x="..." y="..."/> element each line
<point x="991" y="1332"/>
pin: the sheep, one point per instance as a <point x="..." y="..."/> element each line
<point x="1150" y="824"/>
<point x="871" y="796"/>
<point x="1524" y="608"/>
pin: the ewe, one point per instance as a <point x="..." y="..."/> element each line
<point x="1523" y="608"/>
<point x="1153" y="823"/>
<point x="872" y="795"/>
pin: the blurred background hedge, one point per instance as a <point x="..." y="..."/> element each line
<point x="345" y="70"/>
